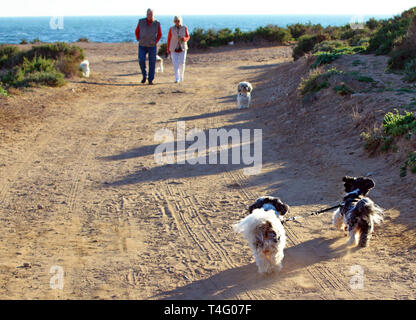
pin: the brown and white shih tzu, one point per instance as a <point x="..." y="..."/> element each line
<point x="264" y="231"/>
<point x="358" y="214"/>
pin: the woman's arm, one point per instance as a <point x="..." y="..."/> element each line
<point x="169" y="40"/>
<point x="187" y="37"/>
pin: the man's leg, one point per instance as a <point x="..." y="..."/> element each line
<point x="142" y="61"/>
<point x="152" y="62"/>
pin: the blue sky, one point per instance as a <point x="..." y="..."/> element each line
<point x="184" y="7"/>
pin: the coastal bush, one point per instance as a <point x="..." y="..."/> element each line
<point x="306" y="44"/>
<point x="83" y="39"/>
<point x="213" y="38"/>
<point x="372" y="24"/>
<point x="41" y="65"/>
<point x="334" y="53"/>
<point x="410" y="164"/>
<point x="391" y="30"/>
<point x="9" y="56"/>
<point x="297" y="30"/>
<point x="404" y="52"/>
<point x="162" y="51"/>
<point x="38" y="71"/>
<point x="328" y="46"/>
<point x="395" y="126"/>
<point x="343" y="89"/>
<point x="317" y="80"/>
<point x="3" y="91"/>
<point x="410" y="71"/>
<point x="273" y="34"/>
<point x="67" y="57"/>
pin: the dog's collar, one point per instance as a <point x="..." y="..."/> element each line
<point x="269" y="206"/>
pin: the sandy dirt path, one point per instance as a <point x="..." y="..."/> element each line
<point x="80" y="189"/>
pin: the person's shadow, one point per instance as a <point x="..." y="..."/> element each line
<point x="229" y="283"/>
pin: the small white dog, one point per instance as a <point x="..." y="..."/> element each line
<point x="244" y="95"/>
<point x="159" y="63"/>
<point x="263" y="229"/>
<point x="85" y="66"/>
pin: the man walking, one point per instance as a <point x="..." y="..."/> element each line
<point x="148" y="33"/>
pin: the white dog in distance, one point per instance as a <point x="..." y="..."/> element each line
<point x="244" y="95"/>
<point x="85" y="66"/>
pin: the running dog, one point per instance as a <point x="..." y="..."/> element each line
<point x="263" y="229"/>
<point x="358" y="214"/>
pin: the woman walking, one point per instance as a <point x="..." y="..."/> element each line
<point x="177" y="47"/>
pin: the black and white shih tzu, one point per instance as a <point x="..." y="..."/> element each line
<point x="244" y="94"/>
<point x="358" y="214"/>
<point x="263" y="229"/>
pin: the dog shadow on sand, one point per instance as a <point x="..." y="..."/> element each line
<point x="229" y="283"/>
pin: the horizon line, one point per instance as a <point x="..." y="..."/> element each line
<point x="214" y="14"/>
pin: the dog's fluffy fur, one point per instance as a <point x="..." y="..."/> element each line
<point x="264" y="232"/>
<point x="244" y="95"/>
<point x="85" y="66"/>
<point x="358" y="214"/>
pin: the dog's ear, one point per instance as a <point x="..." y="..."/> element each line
<point x="365" y="185"/>
<point x="349" y="183"/>
<point x="281" y="207"/>
<point x="256" y="205"/>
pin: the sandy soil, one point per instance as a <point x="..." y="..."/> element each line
<point x="79" y="187"/>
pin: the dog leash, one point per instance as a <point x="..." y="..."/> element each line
<point x="314" y="213"/>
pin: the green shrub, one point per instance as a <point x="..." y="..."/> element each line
<point x="396" y="125"/>
<point x="273" y="34"/>
<point x="35" y="41"/>
<point x="365" y="79"/>
<point x="372" y="140"/>
<point x="410" y="164"/>
<point x="297" y="30"/>
<point x="410" y="71"/>
<point x="23" y="41"/>
<point x="39" y="71"/>
<point x="213" y="38"/>
<point x="306" y="44"/>
<point x="324" y="58"/>
<point x="317" y="80"/>
<point x="162" y="51"/>
<point x="328" y="46"/>
<point x="372" y="23"/>
<point x="83" y="39"/>
<point x="389" y="32"/>
<point x="9" y="56"/>
<point x="3" y="91"/>
<point x="343" y="89"/>
<point x="330" y="56"/>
